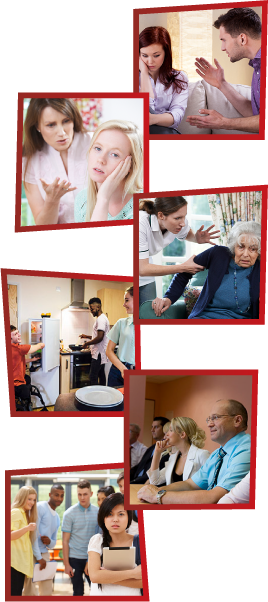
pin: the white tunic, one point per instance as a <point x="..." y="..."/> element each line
<point x="152" y="240"/>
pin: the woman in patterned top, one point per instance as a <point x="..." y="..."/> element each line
<point x="115" y="162"/>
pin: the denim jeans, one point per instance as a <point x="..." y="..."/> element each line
<point x="115" y="379"/>
<point x="77" y="580"/>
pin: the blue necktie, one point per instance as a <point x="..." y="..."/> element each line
<point x="221" y="454"/>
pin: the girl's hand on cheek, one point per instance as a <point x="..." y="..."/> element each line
<point x="115" y="178"/>
<point x="142" y="66"/>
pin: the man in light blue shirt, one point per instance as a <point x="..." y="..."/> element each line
<point x="78" y="526"/>
<point x="226" y="466"/>
<point x="48" y="523"/>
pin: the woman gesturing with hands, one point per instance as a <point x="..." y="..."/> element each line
<point x="49" y="208"/>
<point x="54" y="158"/>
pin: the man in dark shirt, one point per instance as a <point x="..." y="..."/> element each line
<point x="138" y="474"/>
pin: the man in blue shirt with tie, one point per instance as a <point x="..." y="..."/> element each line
<point x="226" y="466"/>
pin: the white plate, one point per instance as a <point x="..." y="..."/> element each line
<point x="99" y="396"/>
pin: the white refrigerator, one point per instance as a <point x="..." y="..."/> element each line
<point x="46" y="376"/>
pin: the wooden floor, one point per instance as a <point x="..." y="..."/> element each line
<point x="63" y="586"/>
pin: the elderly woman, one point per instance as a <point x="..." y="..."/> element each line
<point x="232" y="287"/>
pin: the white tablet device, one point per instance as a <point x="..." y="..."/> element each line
<point x="119" y="559"/>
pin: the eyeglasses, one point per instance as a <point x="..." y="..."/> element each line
<point x="216" y="417"/>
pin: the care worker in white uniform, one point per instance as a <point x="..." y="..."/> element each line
<point x="161" y="221"/>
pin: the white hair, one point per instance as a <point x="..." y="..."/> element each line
<point x="250" y="228"/>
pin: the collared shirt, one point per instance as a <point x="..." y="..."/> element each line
<point x="101" y="323"/>
<point x="235" y="466"/>
<point x="255" y="84"/>
<point x="152" y="240"/>
<point x="137" y="451"/>
<point x="239" y="494"/>
<point x="122" y="334"/>
<point x="168" y="100"/>
<point x="81" y="523"/>
<point x="48" y="523"/>
<point x="47" y="164"/>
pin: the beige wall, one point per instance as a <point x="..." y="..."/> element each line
<point x="235" y="73"/>
<point x="37" y="294"/>
<point x="191" y="396"/>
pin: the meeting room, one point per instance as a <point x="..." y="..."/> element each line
<point x="190" y="440"/>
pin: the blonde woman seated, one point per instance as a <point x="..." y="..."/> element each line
<point x="115" y="162"/>
<point x="187" y="441"/>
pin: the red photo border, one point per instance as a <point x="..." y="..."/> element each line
<point x="71" y="226"/>
<point x="56" y="469"/>
<point x="261" y="319"/>
<point x="42" y="273"/>
<point x="253" y="433"/>
<point x="142" y="11"/>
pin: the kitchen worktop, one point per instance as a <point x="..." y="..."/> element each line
<point x="74" y="352"/>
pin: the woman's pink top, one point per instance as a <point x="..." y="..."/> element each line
<point x="48" y="165"/>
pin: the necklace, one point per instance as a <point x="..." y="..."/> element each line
<point x="236" y="298"/>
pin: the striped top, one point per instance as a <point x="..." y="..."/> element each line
<point x="81" y="523"/>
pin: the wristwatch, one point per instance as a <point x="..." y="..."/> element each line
<point x="159" y="495"/>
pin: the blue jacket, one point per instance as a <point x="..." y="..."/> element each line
<point x="216" y="260"/>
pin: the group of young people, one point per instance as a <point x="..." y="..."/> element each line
<point x="86" y="530"/>
<point x="116" y="345"/>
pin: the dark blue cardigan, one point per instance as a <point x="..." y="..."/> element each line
<point x="216" y="260"/>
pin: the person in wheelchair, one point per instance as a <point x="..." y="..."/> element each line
<point x="22" y="382"/>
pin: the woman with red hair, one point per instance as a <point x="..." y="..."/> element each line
<point x="167" y="87"/>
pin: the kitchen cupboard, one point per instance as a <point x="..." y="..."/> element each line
<point x="112" y="303"/>
<point x="64" y="374"/>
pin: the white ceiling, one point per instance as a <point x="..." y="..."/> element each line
<point x="163" y="378"/>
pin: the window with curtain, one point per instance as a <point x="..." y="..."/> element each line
<point x="198" y="214"/>
<point x="191" y="37"/>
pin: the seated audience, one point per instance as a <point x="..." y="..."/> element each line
<point x="136" y="449"/>
<point x="138" y="473"/>
<point x="224" y="468"/>
<point x="186" y="440"/>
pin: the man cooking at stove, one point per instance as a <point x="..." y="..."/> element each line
<point x="98" y="343"/>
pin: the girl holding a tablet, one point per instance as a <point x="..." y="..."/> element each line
<point x="114" y="521"/>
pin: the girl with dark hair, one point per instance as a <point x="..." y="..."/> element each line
<point x="54" y="158"/>
<point x="161" y="221"/>
<point x="167" y="87"/>
<point x="114" y="521"/>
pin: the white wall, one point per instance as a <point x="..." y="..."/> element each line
<point x="152" y="20"/>
<point x="130" y="109"/>
<point x="37" y="294"/>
